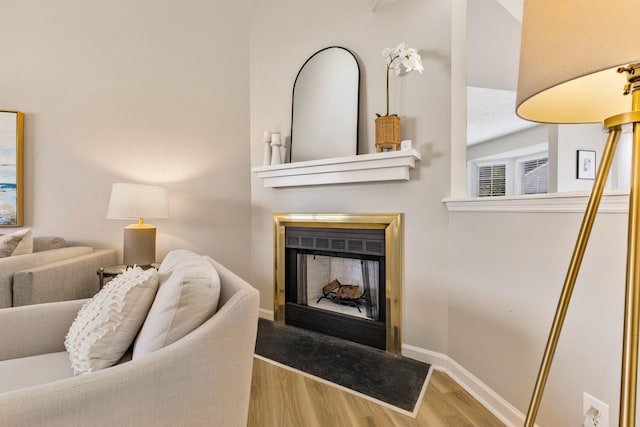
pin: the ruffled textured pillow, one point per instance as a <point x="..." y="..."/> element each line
<point x="106" y="325"/>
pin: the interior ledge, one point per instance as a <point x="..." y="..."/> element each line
<point x="613" y="201"/>
<point x="387" y="166"/>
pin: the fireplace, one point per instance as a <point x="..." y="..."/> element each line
<point x="332" y="282"/>
<point x="341" y="274"/>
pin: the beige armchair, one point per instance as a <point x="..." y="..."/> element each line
<point x="203" y="379"/>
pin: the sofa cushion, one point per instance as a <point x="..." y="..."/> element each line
<point x="25" y="246"/>
<point x="30" y="371"/>
<point x="16" y="243"/>
<point x="47" y="243"/>
<point x="187" y="296"/>
<point x="107" y="324"/>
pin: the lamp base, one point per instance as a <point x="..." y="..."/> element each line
<point x="139" y="245"/>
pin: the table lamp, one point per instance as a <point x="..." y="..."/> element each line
<point x="580" y="63"/>
<point x="138" y="201"/>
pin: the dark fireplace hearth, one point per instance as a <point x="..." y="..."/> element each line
<point x="341" y="274"/>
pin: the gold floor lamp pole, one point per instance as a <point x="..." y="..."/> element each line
<point x="629" y="375"/>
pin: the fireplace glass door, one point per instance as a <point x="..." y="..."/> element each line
<point x="341" y="284"/>
<point x="334" y="282"/>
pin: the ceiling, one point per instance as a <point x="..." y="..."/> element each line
<point x="491" y="114"/>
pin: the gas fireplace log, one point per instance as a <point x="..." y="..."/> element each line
<point x="349" y="292"/>
<point x="330" y="287"/>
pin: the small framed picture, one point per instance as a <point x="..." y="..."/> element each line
<point x="586" y="164"/>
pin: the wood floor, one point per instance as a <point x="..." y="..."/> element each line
<point x="283" y="398"/>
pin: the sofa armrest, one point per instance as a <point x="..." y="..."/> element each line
<point x="35" y="329"/>
<point x="9" y="266"/>
<point x="69" y="279"/>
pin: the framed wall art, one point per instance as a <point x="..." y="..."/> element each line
<point x="586" y="166"/>
<point x="11" y="164"/>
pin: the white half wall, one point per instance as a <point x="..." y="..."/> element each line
<point x="507" y="270"/>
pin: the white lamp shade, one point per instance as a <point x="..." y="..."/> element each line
<point x="570" y="51"/>
<point x="133" y="201"/>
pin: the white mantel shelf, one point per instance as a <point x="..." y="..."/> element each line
<point x="387" y="166"/>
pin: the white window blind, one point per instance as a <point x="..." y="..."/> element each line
<point x="535" y="176"/>
<point x="491" y="180"/>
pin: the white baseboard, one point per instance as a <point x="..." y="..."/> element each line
<point x="496" y="404"/>
<point x="266" y="314"/>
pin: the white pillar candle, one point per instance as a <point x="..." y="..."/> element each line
<point x="276" y="158"/>
<point x="266" y="138"/>
<point x="266" y="160"/>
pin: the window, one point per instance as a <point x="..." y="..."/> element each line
<point x="535" y="176"/>
<point x="491" y="180"/>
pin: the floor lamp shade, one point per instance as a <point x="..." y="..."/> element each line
<point x="570" y="51"/>
<point x="138" y="201"/>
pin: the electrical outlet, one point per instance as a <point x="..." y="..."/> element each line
<point x="595" y="413"/>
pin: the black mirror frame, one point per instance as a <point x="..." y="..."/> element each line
<point x="294" y="92"/>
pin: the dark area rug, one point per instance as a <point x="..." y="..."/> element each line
<point x="395" y="380"/>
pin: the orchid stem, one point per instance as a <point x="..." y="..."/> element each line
<point x="387" y="91"/>
<point x="388" y="67"/>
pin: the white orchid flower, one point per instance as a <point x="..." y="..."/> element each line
<point x="412" y="63"/>
<point x="401" y="50"/>
<point x="401" y="55"/>
<point x="408" y="57"/>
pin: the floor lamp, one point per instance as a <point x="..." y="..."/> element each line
<point x="580" y="63"/>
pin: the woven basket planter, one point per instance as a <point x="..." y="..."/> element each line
<point x="387" y="133"/>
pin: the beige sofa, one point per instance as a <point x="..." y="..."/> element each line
<point x="203" y="379"/>
<point x="53" y="272"/>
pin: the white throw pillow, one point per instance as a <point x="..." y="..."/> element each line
<point x="187" y="296"/>
<point x="107" y="324"/>
<point x="16" y="243"/>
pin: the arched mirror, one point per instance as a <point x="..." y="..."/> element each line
<point x="324" y="118"/>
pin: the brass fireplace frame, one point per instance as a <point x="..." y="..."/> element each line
<point x="393" y="225"/>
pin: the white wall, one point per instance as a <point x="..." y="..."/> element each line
<point x="493" y="46"/>
<point x="506" y="274"/>
<point x="279" y="46"/>
<point x="572" y="138"/>
<point x="133" y="91"/>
